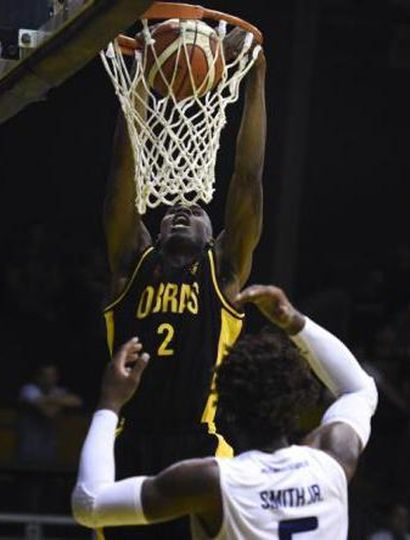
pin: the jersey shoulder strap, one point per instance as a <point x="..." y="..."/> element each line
<point x="224" y="301"/>
<point x="141" y="260"/>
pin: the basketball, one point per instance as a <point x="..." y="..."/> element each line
<point x="187" y="57"/>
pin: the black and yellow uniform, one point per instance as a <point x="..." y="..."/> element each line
<point x="185" y="324"/>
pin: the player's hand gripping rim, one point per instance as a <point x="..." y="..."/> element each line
<point x="122" y="375"/>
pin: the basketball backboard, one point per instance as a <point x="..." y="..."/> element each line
<point x="40" y="52"/>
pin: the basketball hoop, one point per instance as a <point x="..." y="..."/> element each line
<point x="175" y="135"/>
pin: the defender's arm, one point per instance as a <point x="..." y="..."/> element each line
<point x="345" y="427"/>
<point x="190" y="487"/>
<point x="99" y="501"/>
<point x="243" y="213"/>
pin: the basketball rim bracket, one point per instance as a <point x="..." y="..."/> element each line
<point x="34" y="58"/>
<point x="15" y="43"/>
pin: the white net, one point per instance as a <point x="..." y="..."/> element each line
<point x="175" y="142"/>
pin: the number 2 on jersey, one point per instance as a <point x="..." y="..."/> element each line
<point x="289" y="527"/>
<point x="165" y="348"/>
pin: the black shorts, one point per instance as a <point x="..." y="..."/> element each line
<point x="140" y="452"/>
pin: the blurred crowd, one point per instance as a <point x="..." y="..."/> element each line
<point x="51" y="287"/>
<point x="365" y="300"/>
<point x="52" y="290"/>
<point x="381" y="323"/>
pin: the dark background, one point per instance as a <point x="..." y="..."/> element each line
<point x="336" y="194"/>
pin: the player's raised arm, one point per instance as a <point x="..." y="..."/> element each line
<point x="126" y="234"/>
<point x="190" y="487"/>
<point x="243" y="212"/>
<point x="345" y="427"/>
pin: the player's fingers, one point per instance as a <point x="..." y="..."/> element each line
<point x="126" y="353"/>
<point x="283" y="312"/>
<point x="245" y="296"/>
<point x="131" y="346"/>
<point x="139" y="366"/>
<point x="134" y="350"/>
<point x="253" y="293"/>
<point x="144" y="359"/>
<point x="137" y="358"/>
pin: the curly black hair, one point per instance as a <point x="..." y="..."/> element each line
<point x="263" y="384"/>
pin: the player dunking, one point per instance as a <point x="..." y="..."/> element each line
<point x="271" y="490"/>
<point x="177" y="296"/>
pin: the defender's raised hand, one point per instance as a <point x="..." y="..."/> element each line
<point x="275" y="305"/>
<point x="122" y="376"/>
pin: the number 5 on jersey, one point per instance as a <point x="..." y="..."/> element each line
<point x="168" y="331"/>
<point x="290" y="527"/>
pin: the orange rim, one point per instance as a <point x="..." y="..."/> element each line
<point x="170" y="10"/>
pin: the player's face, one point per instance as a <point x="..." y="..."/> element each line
<point x="186" y="224"/>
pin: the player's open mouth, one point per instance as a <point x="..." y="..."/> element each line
<point x="181" y="221"/>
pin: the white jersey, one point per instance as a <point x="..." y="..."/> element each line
<point x="295" y="493"/>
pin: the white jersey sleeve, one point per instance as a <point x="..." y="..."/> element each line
<point x="296" y="493"/>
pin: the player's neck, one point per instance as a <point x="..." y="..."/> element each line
<point x="246" y="444"/>
<point x="183" y="256"/>
<point x="276" y="444"/>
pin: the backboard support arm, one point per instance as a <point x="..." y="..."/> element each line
<point x="66" y="52"/>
